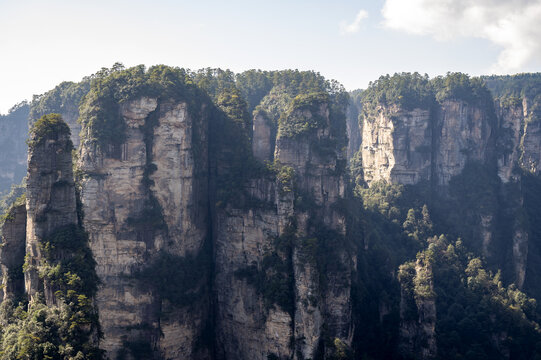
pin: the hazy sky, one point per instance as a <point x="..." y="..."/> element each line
<point x="45" y="42"/>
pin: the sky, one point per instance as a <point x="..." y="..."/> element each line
<point x="43" y="43"/>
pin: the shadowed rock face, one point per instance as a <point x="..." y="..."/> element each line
<point x="418" y="333"/>
<point x="511" y="126"/>
<point x="464" y="133"/>
<point x="50" y="201"/>
<point x="12" y="252"/>
<point x="248" y="327"/>
<point x="531" y="140"/>
<point x="262" y="138"/>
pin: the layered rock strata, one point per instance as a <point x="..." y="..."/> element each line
<point x="397" y="146"/>
<point x="50" y="201"/>
<point x="149" y="196"/>
<point x="464" y="132"/>
<point x="12" y="252"/>
<point x="287" y="233"/>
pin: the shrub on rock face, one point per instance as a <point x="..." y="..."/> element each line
<point x="49" y="126"/>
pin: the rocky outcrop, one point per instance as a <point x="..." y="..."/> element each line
<point x="280" y="244"/>
<point x="518" y="148"/>
<point x="397" y="146"/>
<point x="12" y="251"/>
<point x="50" y="199"/>
<point x="111" y="193"/>
<point x="520" y="254"/>
<point x="150" y="198"/>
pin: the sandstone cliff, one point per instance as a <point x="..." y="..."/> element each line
<point x="397" y="146"/>
<point x="464" y="133"/>
<point x="431" y="144"/>
<point x="12" y="252"/>
<point x="148" y="197"/>
<point x="50" y="197"/>
<point x="270" y="260"/>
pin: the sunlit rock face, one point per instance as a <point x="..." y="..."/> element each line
<point x="396" y="146"/>
<point x="408" y="147"/>
<point x="116" y="192"/>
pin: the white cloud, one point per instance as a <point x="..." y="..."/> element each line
<point x="355" y="26"/>
<point x="514" y="25"/>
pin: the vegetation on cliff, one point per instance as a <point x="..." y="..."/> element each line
<point x="50" y="126"/>
<point x="408" y="91"/>
<point x="477" y="316"/>
<point x="403" y="261"/>
<point x="68" y="329"/>
<point x="109" y="88"/>
<point x="512" y="89"/>
<point x="60" y="321"/>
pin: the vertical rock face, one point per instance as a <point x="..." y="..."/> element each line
<point x="519" y="147"/>
<point x="111" y="194"/>
<point x="396" y="146"/>
<point x="318" y="179"/>
<point x="180" y="181"/>
<point x="262" y="138"/>
<point x="50" y="198"/>
<point x="519" y="139"/>
<point x="70" y="116"/>
<point x="180" y="185"/>
<point x="354" y="130"/>
<point x="278" y="244"/>
<point x="407" y="147"/>
<point x="12" y="252"/>
<point x="520" y="254"/>
<point x="248" y="326"/>
<point x="531" y="142"/>
<point x="464" y="134"/>
<point x="150" y="198"/>
<point x="511" y="123"/>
